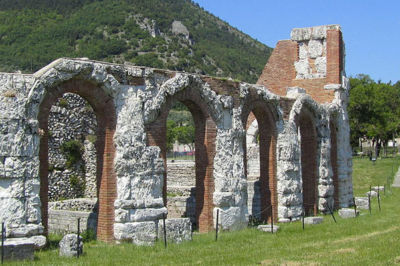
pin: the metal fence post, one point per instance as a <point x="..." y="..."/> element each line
<point x="379" y="200"/>
<point x="216" y="226"/>
<point x="330" y="210"/>
<point x="369" y="203"/>
<point x="355" y="207"/>
<point x="272" y="220"/>
<point x="78" y="241"/>
<point x="165" y="232"/>
<point x="302" y="217"/>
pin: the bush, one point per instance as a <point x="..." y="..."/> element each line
<point x="73" y="151"/>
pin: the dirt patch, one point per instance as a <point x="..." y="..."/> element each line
<point x="344" y="250"/>
<point x="365" y="236"/>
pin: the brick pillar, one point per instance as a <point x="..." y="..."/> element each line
<point x="205" y="152"/>
<point x="334" y="56"/>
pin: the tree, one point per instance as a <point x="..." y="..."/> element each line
<point x="374" y="111"/>
<point x="185" y="135"/>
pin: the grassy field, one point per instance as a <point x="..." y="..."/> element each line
<point x="370" y="239"/>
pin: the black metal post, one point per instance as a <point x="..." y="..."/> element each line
<point x="216" y="226"/>
<point x="379" y="200"/>
<point x="302" y="217"/>
<point x="369" y="203"/>
<point x="3" y="235"/>
<point x="355" y="207"/>
<point x="165" y="231"/>
<point x="272" y="220"/>
<point x="78" y="240"/>
<point x="330" y="210"/>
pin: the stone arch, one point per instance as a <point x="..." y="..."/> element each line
<point x="205" y="134"/>
<point x="50" y="86"/>
<point x="304" y="115"/>
<point x="259" y="117"/>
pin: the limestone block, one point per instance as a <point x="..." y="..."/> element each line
<point x="224" y="199"/>
<point x="25" y="230"/>
<point x="362" y="203"/>
<point x="320" y="65"/>
<point x="69" y="245"/>
<point x="303" y="50"/>
<point x="38" y="241"/>
<point x="313" y="220"/>
<point x="19" y="144"/>
<point x="348" y="213"/>
<point x="148" y="214"/>
<point x="142" y="233"/>
<point x="18" y="249"/>
<point x="121" y="215"/>
<point x="293" y="92"/>
<point x="231" y="218"/>
<point x="372" y="194"/>
<point x="325" y="191"/>
<point x="302" y="68"/>
<point x="268" y="228"/>
<point x="315" y="48"/>
<point x="178" y="230"/>
<point x="301" y="34"/>
<point x="12" y="211"/>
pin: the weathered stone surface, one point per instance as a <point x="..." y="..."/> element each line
<point x="348" y="213"/>
<point x="18" y="249"/>
<point x="268" y="228"/>
<point x="178" y="230"/>
<point x="362" y="203"/>
<point x="142" y="233"/>
<point x="69" y="245"/>
<point x="148" y="214"/>
<point x="372" y="194"/>
<point x="25" y="230"/>
<point x="313" y="220"/>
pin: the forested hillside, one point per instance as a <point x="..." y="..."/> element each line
<point x="172" y="34"/>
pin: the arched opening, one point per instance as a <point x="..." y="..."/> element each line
<point x="205" y="134"/>
<point x="260" y="162"/>
<point x="72" y="167"/>
<point x="105" y="181"/>
<point x="181" y="181"/>
<point x="334" y="163"/>
<point x="308" y="140"/>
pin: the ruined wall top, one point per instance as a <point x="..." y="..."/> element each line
<point x="312" y="59"/>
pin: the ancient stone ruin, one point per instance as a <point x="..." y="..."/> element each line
<point x="267" y="150"/>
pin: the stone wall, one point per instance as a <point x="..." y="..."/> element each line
<point x="181" y="189"/>
<point x="63" y="215"/>
<point x="72" y="118"/>
<point x="131" y="104"/>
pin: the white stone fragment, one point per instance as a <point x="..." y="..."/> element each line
<point x="178" y="230"/>
<point x="268" y="228"/>
<point x="313" y="220"/>
<point x="315" y="48"/>
<point x="348" y="213"/>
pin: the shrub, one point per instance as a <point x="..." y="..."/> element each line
<point x="63" y="102"/>
<point x="73" y="151"/>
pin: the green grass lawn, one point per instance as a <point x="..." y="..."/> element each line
<point x="366" y="240"/>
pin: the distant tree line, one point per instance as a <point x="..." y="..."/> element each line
<point x="374" y="111"/>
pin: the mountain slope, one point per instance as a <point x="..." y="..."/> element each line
<point x="173" y="34"/>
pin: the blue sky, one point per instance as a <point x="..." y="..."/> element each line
<point x="371" y="29"/>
